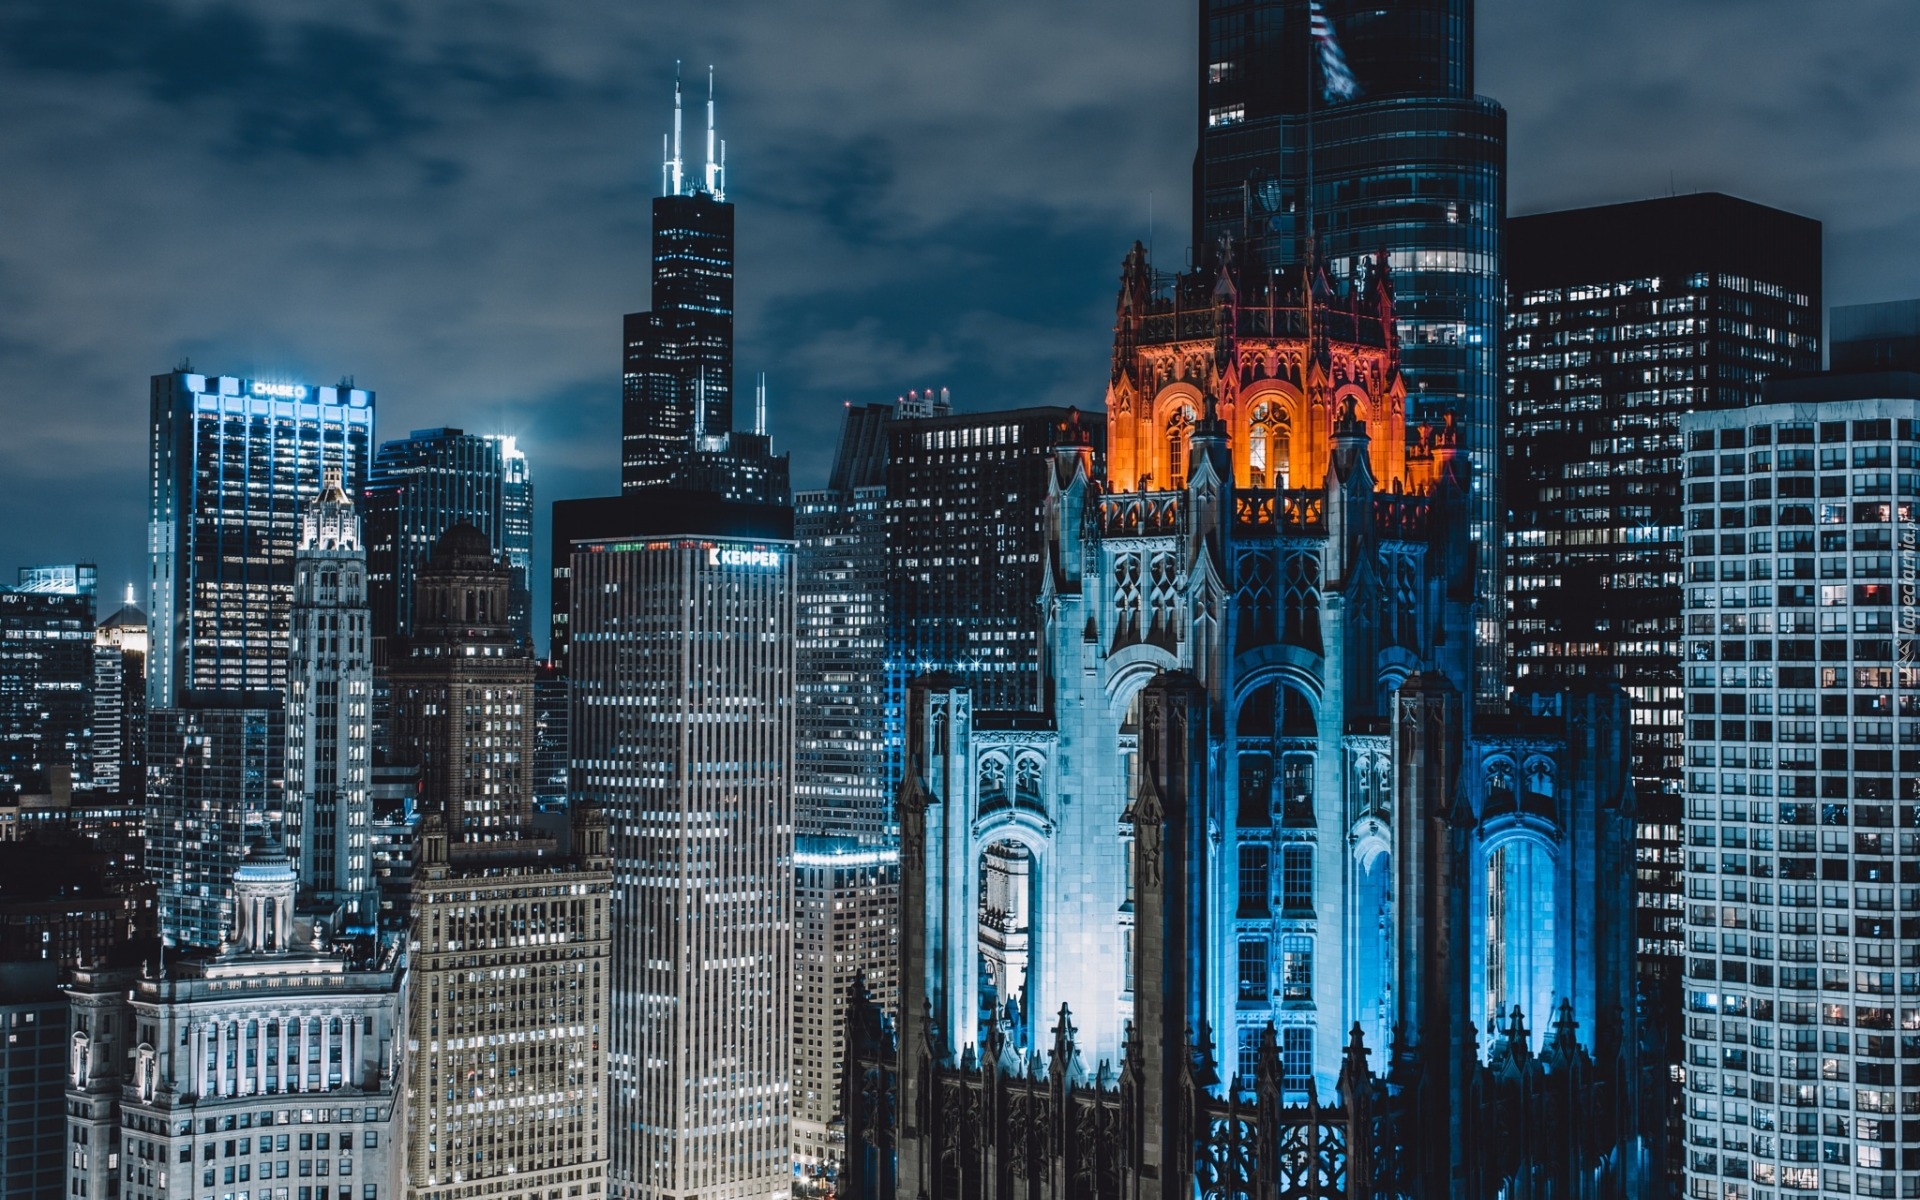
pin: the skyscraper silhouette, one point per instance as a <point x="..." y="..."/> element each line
<point x="1356" y="121"/>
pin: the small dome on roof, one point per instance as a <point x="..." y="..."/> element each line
<point x="266" y="862"/>
<point x="462" y="540"/>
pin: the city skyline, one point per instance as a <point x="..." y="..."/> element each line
<point x="1014" y="187"/>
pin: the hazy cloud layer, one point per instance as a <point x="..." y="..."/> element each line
<point x="450" y="203"/>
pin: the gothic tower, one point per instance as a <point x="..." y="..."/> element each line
<point x="329" y="709"/>
<point x="1258" y="830"/>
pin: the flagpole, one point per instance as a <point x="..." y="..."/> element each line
<point x="1306" y="259"/>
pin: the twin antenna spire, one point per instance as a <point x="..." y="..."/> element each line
<point x="673" y="175"/>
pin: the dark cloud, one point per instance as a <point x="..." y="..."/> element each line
<point x="450" y="202"/>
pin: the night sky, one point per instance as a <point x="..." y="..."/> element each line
<point x="450" y="202"/>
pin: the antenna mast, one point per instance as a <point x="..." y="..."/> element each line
<point x="670" y="170"/>
<point x="760" y="406"/>
<point x="716" y="182"/>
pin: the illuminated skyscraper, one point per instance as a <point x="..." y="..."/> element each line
<point x="677" y="358"/>
<point x="121" y="648"/>
<point x="966" y="545"/>
<point x="423" y="485"/>
<point x="846" y="736"/>
<point x="214" y="782"/>
<point x="681" y="667"/>
<point x="46" y="683"/>
<point x="1802" y="746"/>
<point x="235" y="462"/>
<point x="1622" y="319"/>
<point x="329" y="811"/>
<point x="1362" y="116"/>
<point x="516" y="534"/>
<point x="507" y="1015"/>
<point x="462" y="696"/>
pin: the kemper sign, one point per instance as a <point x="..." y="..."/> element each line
<point x="726" y="556"/>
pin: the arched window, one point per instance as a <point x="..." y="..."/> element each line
<point x="1520" y="930"/>
<point x="1179" y="430"/>
<point x="1269" y="441"/>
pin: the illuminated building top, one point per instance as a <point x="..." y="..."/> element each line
<point x="1278" y="376"/>
<point x="223" y="539"/>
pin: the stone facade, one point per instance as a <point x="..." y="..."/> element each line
<point x="273" y="1063"/>
<point x="1257" y="810"/>
<point x="506" y="1017"/>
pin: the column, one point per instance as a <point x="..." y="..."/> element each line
<point x="300" y="1054"/>
<point x="350" y="1069"/>
<point x="197" y="1057"/>
<point x="260" y="1055"/>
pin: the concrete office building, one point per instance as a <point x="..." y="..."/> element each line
<point x="682" y="676"/>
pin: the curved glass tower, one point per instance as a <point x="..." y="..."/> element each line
<point x="1357" y="120"/>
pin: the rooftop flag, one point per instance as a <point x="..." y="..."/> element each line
<point x="1340" y="83"/>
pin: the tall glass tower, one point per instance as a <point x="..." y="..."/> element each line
<point x="423" y="485"/>
<point x="1356" y="119"/>
<point x="677" y="359"/>
<point x="235" y="464"/>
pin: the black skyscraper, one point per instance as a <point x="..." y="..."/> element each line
<point x="677" y="374"/>
<point x="1622" y="319"/>
<point x="966" y="539"/>
<point x="1362" y="114"/>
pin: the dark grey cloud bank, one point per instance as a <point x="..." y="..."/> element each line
<point x="449" y="202"/>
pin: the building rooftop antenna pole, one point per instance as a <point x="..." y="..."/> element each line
<point x="760" y="406"/>
<point x="715" y="186"/>
<point x="700" y="407"/>
<point x="672" y="174"/>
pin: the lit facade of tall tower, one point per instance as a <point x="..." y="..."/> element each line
<point x="507" y="1017"/>
<point x="966" y="540"/>
<point x="214" y="781"/>
<point x="842" y="749"/>
<point x="677" y="358"/>
<point x="1802" y="771"/>
<point x="235" y="462"/>
<point x="516" y="533"/>
<point x="329" y="810"/>
<point x="423" y="485"/>
<point x="681" y="668"/>
<point x="462" y="697"/>
<point x="1621" y="320"/>
<point x="46" y="690"/>
<point x="121" y="646"/>
<point x="846" y="740"/>
<point x="1256" y="828"/>
<point x="1362" y="117"/>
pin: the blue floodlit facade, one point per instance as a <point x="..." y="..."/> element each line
<point x="1256" y="815"/>
<point x="235" y="464"/>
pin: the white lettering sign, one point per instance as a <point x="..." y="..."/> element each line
<point x="719" y="556"/>
<point x="283" y="391"/>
